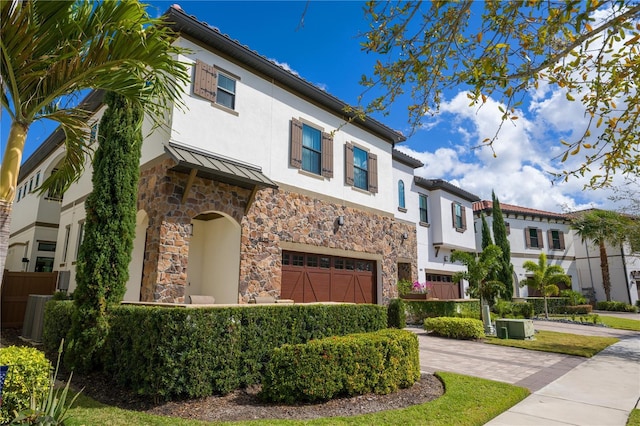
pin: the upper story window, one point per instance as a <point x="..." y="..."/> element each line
<point x="556" y="239"/>
<point x="93" y="133"/>
<point x="19" y="194"/>
<point x="508" y="227"/>
<point x="31" y="184"/>
<point x="226" y="93"/>
<point x="55" y="192"/>
<point x="311" y="149"/>
<point x="533" y="237"/>
<point x="46" y="246"/>
<point x="215" y="85"/>
<point x="424" y="217"/>
<point x="37" y="179"/>
<point x="458" y="213"/>
<point x="401" y="203"/>
<point x="361" y="168"/>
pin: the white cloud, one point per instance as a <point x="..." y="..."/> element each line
<point x="524" y="154"/>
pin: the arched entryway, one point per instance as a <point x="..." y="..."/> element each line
<point x="214" y="257"/>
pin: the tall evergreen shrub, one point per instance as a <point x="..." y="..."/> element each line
<point x="103" y="259"/>
<point x="486" y="233"/>
<point x="505" y="274"/>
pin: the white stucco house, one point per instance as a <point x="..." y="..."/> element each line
<point x="443" y="215"/>
<point x="257" y="187"/>
<point x="531" y="232"/>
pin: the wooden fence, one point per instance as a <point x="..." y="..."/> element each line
<point x="16" y="288"/>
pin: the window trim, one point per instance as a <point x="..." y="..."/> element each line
<point x="372" y="168"/>
<point x="401" y="198"/>
<point x="454" y="216"/>
<point x="561" y="244"/>
<point x="527" y="235"/>
<point x="296" y="149"/>
<point x="424" y="197"/>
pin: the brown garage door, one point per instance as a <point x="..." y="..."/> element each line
<point x="319" y="278"/>
<point x="443" y="286"/>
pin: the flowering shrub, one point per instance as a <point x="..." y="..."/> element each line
<point x="422" y="288"/>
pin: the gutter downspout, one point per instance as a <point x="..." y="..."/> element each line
<point x="626" y="273"/>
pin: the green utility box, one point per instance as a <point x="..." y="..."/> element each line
<point x="521" y="329"/>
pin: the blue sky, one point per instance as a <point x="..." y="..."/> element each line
<point x="319" y="41"/>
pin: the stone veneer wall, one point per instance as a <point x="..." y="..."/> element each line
<point x="278" y="216"/>
<point x="160" y="190"/>
<point x="275" y="216"/>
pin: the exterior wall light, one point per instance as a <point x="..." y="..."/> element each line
<point x="341" y="220"/>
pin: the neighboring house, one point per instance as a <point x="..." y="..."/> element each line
<point x="624" y="270"/>
<point x="36" y="217"/>
<point x="531" y="232"/>
<point x="441" y="212"/>
<point x="258" y="187"/>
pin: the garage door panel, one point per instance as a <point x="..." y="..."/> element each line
<point x="364" y="288"/>
<point x="292" y="284"/>
<point x="314" y="278"/>
<point x="317" y="286"/>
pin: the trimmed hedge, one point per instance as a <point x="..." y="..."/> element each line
<point x="556" y="305"/>
<point x="57" y="322"/>
<point x="505" y="309"/>
<point x="178" y="352"/>
<point x="456" y="328"/>
<point x="578" y="309"/>
<point x="28" y="375"/>
<point x="396" y="315"/>
<point x="380" y="362"/>
<point x="616" y="306"/>
<point x="418" y="310"/>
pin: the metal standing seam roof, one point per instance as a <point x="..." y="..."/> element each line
<point x="210" y="164"/>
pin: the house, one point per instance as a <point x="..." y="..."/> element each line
<point x="441" y="212"/>
<point x="260" y="186"/>
<point x="624" y="270"/>
<point x="531" y="232"/>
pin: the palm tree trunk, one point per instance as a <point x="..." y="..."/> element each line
<point x="546" y="309"/>
<point x="5" y="227"/>
<point x="8" y="183"/>
<point x="604" y="266"/>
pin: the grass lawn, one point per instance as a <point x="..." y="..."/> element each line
<point x="467" y="401"/>
<point x="621" y="323"/>
<point x="634" y="418"/>
<point x="563" y="343"/>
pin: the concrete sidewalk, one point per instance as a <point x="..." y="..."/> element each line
<point x="566" y="390"/>
<point x="601" y="391"/>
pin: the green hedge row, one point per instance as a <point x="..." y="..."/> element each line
<point x="418" y="310"/>
<point x="396" y="314"/>
<point x="176" y="352"/>
<point x="556" y="305"/>
<point x="380" y="362"/>
<point x="616" y="306"/>
<point x="578" y="309"/>
<point x="28" y="376"/>
<point x="456" y="328"/>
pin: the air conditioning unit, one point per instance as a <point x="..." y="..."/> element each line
<point x="34" y="317"/>
<point x="520" y="329"/>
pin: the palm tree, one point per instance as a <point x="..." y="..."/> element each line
<point x="479" y="267"/>
<point x="52" y="51"/>
<point x="602" y="227"/>
<point x="545" y="278"/>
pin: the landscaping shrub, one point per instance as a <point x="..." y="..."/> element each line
<point x="578" y="309"/>
<point x="616" y="306"/>
<point x="418" y="310"/>
<point x="503" y="308"/>
<point x="574" y="298"/>
<point x="522" y="310"/>
<point x="456" y="328"/>
<point x="57" y="321"/>
<point x="396" y="316"/>
<point x="28" y="375"/>
<point x="177" y="352"/>
<point x="556" y="305"/>
<point x="380" y="362"/>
